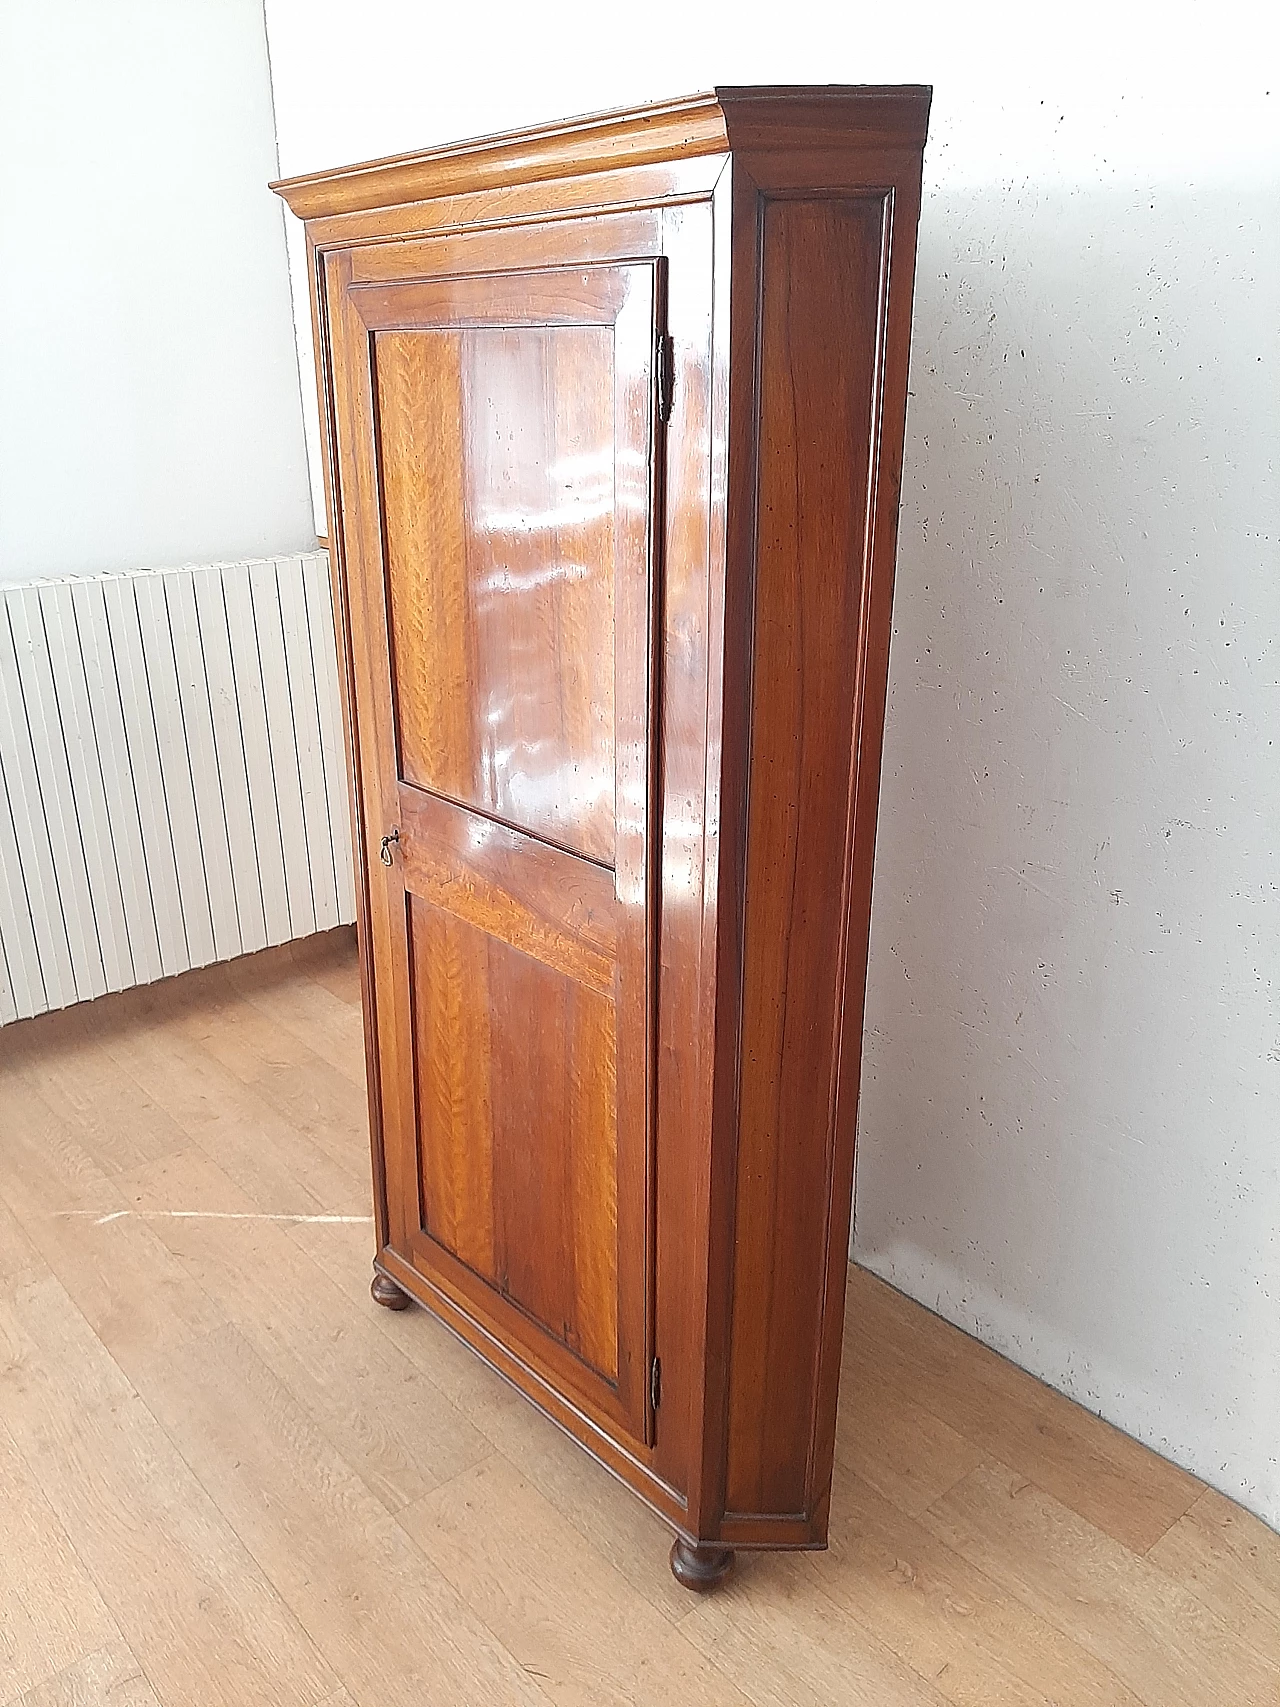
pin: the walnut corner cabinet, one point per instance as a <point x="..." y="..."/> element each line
<point x="614" y="420"/>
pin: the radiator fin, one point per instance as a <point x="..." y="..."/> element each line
<point x="173" y="786"/>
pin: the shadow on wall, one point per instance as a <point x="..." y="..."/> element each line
<point x="1070" y="1130"/>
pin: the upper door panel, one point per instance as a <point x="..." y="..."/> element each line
<point x="497" y="404"/>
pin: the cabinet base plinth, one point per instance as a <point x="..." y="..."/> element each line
<point x="384" y="1291"/>
<point x="699" y="1568"/>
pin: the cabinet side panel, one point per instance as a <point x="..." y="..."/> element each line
<point x="819" y="306"/>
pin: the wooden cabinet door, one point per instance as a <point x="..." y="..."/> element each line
<point x="496" y="436"/>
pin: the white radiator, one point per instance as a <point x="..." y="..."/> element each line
<point x="172" y="778"/>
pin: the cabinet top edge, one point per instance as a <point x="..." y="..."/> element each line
<point x="759" y="116"/>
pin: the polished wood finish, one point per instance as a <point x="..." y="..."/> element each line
<point x="496" y="444"/>
<point x="820" y="263"/>
<point x="227" y="1477"/>
<point x="383" y="1290"/>
<point x="749" y="118"/>
<point x="614" y="415"/>
<point x="505" y="422"/>
<point x="698" y="1567"/>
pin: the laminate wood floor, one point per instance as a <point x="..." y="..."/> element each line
<point x="226" y="1476"/>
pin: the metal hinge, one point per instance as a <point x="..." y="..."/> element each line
<point x="666" y="364"/>
<point x="655" y="1382"/>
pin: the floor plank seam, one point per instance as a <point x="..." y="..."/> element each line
<point x="1109" y="1577"/>
<point x="69" y="1303"/>
<point x="599" y="1563"/>
<point x="1199" y="1495"/>
<point x="250" y="1553"/>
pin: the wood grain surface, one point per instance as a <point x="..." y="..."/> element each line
<point x="227" y="1476"/>
<point x="613" y="468"/>
<point x="502" y="676"/>
<point x="496" y="451"/>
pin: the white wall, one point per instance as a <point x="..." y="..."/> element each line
<point x="1071" y="1116"/>
<point x="149" y="398"/>
<point x="1071" y="1120"/>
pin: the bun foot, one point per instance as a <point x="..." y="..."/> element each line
<point x="384" y="1291"/>
<point x="699" y="1567"/>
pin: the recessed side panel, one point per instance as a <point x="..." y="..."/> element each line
<point x="516" y="1071"/>
<point x="819" y="310"/>
<point x="497" y="462"/>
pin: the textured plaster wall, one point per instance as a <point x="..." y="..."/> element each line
<point x="1070" y="1136"/>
